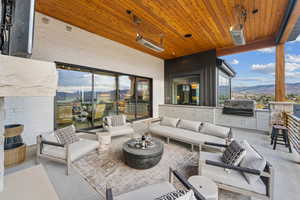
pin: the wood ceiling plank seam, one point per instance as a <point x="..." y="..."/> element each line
<point x="202" y="25"/>
<point x="217" y="21"/>
<point x="225" y="15"/>
<point x="250" y="20"/>
<point x="280" y="12"/>
<point x="271" y="19"/>
<point x="192" y="25"/>
<point x="144" y="12"/>
<point x="121" y="38"/>
<point x="266" y="19"/>
<point x="208" y="23"/>
<point x="129" y="23"/>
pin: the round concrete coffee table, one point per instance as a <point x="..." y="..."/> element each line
<point x="143" y="158"/>
<point x="205" y="186"/>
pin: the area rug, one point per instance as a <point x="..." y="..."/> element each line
<point x="108" y="168"/>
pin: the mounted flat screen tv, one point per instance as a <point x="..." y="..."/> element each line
<point x="17" y="27"/>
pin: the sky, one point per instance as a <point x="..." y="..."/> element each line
<point x="257" y="67"/>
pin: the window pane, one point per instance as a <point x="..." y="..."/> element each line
<point x="126" y="102"/>
<point x="143" y="98"/>
<point x="104" y="97"/>
<point x="186" y="90"/>
<point x="223" y="87"/>
<point x="74" y="99"/>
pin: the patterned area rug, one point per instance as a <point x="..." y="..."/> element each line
<point x="108" y="168"/>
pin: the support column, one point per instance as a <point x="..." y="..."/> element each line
<point x="1" y="143"/>
<point x="280" y="74"/>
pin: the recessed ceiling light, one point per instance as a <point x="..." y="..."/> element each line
<point x="254" y="11"/>
<point x="188" y="35"/>
<point x="128" y="12"/>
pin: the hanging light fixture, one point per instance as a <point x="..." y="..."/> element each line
<point x="237" y="30"/>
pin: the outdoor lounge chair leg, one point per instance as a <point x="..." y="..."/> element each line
<point x="168" y="140"/>
<point x="192" y="148"/>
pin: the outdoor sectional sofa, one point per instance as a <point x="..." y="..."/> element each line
<point x="191" y="132"/>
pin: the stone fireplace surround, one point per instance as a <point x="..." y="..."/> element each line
<point x="23" y="77"/>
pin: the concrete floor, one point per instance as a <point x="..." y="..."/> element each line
<point x="287" y="171"/>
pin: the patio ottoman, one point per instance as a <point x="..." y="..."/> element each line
<point x="205" y="186"/>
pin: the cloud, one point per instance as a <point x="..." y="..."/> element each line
<point x="264" y="68"/>
<point x="270" y="67"/>
<point x="292" y="75"/>
<point x="234" y="62"/>
<point x="293" y="58"/>
<point x="249" y="78"/>
<point x="297" y="40"/>
<point x="267" y="50"/>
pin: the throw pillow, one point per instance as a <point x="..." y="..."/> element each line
<point x="233" y="154"/>
<point x="218" y="131"/>
<point x="178" y="195"/>
<point x="118" y="120"/>
<point x="169" y="121"/>
<point x="189" y="125"/>
<point x="67" y="135"/>
<point x="252" y="160"/>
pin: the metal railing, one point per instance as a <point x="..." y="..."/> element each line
<point x="293" y="124"/>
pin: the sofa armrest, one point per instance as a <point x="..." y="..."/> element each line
<point x="215" y="144"/>
<point x="241" y="169"/>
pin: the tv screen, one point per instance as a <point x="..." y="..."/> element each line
<point x="17" y="22"/>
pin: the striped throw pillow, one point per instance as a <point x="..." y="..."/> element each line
<point x="118" y="120"/>
<point x="67" y="135"/>
<point x="233" y="154"/>
<point x="178" y="195"/>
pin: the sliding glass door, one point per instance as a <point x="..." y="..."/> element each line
<point x="126" y="103"/>
<point x="104" y="96"/>
<point x="85" y="96"/>
<point x="143" y="105"/>
<point x="74" y="99"/>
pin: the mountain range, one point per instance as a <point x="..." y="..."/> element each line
<point x="292" y="88"/>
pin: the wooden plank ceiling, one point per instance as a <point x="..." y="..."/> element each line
<point x="207" y="20"/>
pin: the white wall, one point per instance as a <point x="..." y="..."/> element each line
<point x="53" y="43"/>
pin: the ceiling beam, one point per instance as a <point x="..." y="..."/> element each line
<point x="257" y="44"/>
<point x="289" y="21"/>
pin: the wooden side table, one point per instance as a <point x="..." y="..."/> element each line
<point x="205" y="186"/>
<point x="104" y="139"/>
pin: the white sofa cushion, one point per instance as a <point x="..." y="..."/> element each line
<point x="252" y="160"/>
<point x="190" y="137"/>
<point x="232" y="178"/>
<point x="149" y="192"/>
<point x="189" y="125"/>
<point x="218" y="131"/>
<point x="120" y="130"/>
<point x="169" y="121"/>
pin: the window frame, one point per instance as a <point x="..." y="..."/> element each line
<point x="218" y="84"/>
<point x="68" y="66"/>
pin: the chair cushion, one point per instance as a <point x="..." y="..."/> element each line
<point x="149" y="192"/>
<point x="81" y="148"/>
<point x="178" y="195"/>
<point x="189" y="125"/>
<point x="231" y="178"/>
<point x="67" y="135"/>
<point x="120" y="130"/>
<point x="184" y="135"/>
<point x="218" y="131"/>
<point x="233" y="154"/>
<point x="252" y="160"/>
<point x="169" y="121"/>
<point x="77" y="149"/>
